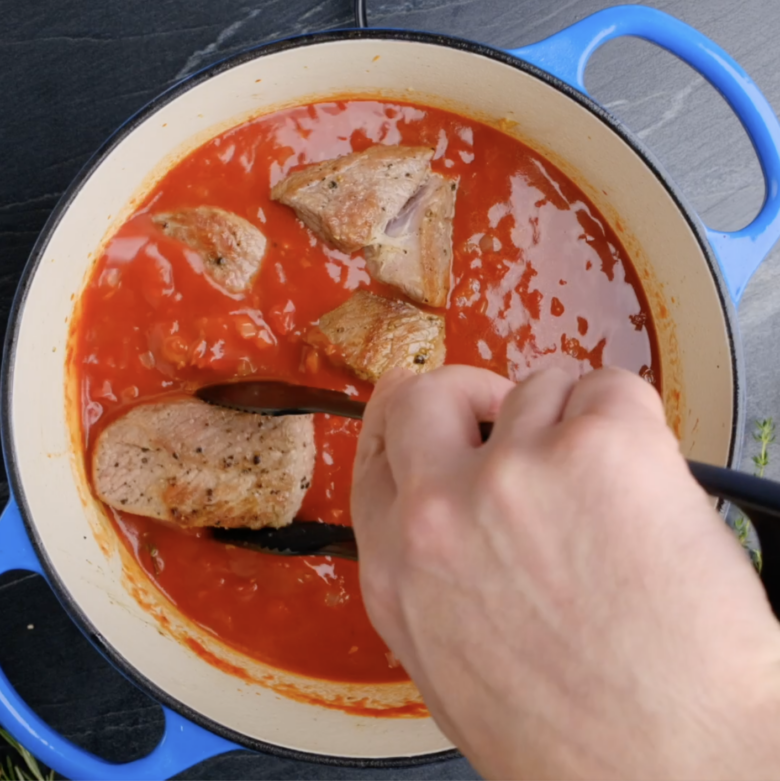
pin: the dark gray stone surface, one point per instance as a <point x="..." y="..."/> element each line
<point x="74" y="72"/>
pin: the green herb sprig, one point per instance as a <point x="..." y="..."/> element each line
<point x="24" y="767"/>
<point x="764" y="434"/>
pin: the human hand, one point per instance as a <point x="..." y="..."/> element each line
<point x="565" y="596"/>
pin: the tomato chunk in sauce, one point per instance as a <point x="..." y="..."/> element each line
<point x="539" y="279"/>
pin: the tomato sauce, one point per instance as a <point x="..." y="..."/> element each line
<point x="539" y="278"/>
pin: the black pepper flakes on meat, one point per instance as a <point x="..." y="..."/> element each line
<point x="175" y="455"/>
<point x="420" y="359"/>
<point x="256" y="460"/>
<point x="198" y="449"/>
<point x="144" y="460"/>
<point x="333" y="184"/>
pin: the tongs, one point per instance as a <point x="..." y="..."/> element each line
<point x="758" y="498"/>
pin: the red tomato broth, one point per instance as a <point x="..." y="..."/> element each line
<point x="539" y="279"/>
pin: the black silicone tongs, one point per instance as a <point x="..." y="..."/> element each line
<point x="758" y="498"/>
<point x="271" y="397"/>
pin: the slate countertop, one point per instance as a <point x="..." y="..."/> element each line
<point x="70" y="78"/>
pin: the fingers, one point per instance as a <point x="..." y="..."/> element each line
<point x="616" y="394"/>
<point x="373" y="494"/>
<point x="550" y="396"/>
<point x="373" y="486"/>
<point x="372" y="435"/>
<point x="414" y="426"/>
<point x="431" y="420"/>
<point x="535" y="404"/>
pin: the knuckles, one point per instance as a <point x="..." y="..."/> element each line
<point x="411" y="394"/>
<point x="565" y="453"/>
<point x="427" y="522"/>
<point x="499" y="474"/>
<point x="587" y="437"/>
<point x="379" y="588"/>
<point x="424" y="538"/>
<point x="609" y="387"/>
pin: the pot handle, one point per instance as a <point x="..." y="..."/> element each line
<point x="566" y="55"/>
<point x="183" y="744"/>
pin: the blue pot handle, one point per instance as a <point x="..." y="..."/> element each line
<point x="566" y="55"/>
<point x="183" y="744"/>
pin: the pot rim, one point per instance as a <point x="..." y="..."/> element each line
<point x="74" y="611"/>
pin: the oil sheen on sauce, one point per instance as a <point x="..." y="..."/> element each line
<point x="539" y="279"/>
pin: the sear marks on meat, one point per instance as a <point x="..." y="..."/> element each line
<point x="371" y="335"/>
<point x="350" y="200"/>
<point x="415" y="254"/>
<point x="232" y="248"/>
<point x="188" y="462"/>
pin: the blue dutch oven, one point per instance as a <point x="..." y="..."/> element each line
<point x="693" y="277"/>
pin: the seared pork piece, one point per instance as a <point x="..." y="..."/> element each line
<point x="350" y="200"/>
<point x="371" y="335"/>
<point x="188" y="462"/>
<point x="232" y="248"/>
<point x="415" y="254"/>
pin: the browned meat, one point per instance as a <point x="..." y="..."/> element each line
<point x="371" y="335"/>
<point x="232" y="248"/>
<point x="350" y="200"/>
<point x="197" y="465"/>
<point x="415" y="254"/>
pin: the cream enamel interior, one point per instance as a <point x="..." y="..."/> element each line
<point x="697" y="362"/>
